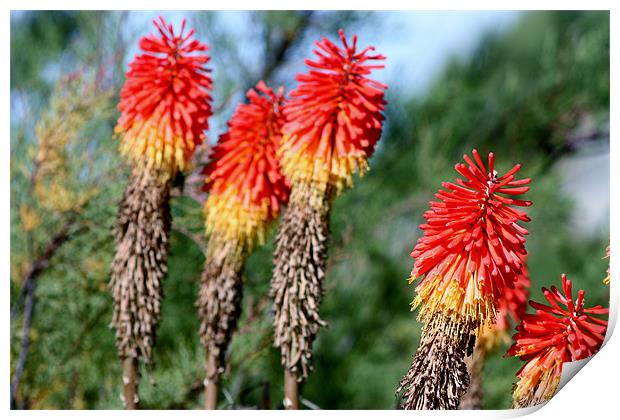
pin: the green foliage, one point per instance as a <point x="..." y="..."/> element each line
<point x="521" y="95"/>
<point x="66" y="178"/>
<point x="45" y="36"/>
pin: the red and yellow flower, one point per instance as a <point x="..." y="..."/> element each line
<point x="473" y="248"/>
<point x="563" y="331"/>
<point x="246" y="187"/>
<point x="538" y="379"/>
<point x="334" y="117"/>
<point x="165" y="101"/>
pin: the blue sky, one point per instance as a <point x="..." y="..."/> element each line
<point x="417" y="44"/>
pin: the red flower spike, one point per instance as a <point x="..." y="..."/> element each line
<point x="565" y="324"/>
<point x="473" y="248"/>
<point x="334" y="117"/>
<point x="165" y="101"/>
<point x="243" y="176"/>
<point x="562" y="331"/>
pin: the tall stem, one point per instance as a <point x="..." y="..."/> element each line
<point x="130" y="383"/>
<point x="291" y="391"/>
<point x="213" y="382"/>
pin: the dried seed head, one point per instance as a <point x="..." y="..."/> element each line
<point x="438" y="377"/>
<point x="142" y="241"/>
<point x="219" y="300"/>
<point x="299" y="270"/>
<point x="472" y="400"/>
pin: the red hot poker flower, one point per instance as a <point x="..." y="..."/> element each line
<point x="165" y="102"/>
<point x="566" y="325"/>
<point x="473" y="247"/>
<point x="334" y="117"/>
<point x="246" y="186"/>
<point x="562" y="332"/>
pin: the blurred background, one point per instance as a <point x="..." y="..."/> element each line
<point x="532" y="87"/>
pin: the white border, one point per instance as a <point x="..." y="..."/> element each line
<point x="591" y="394"/>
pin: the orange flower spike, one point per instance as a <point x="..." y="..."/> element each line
<point x="473" y="247"/>
<point x="165" y="101"/>
<point x="243" y="176"/>
<point x="334" y="117"/>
